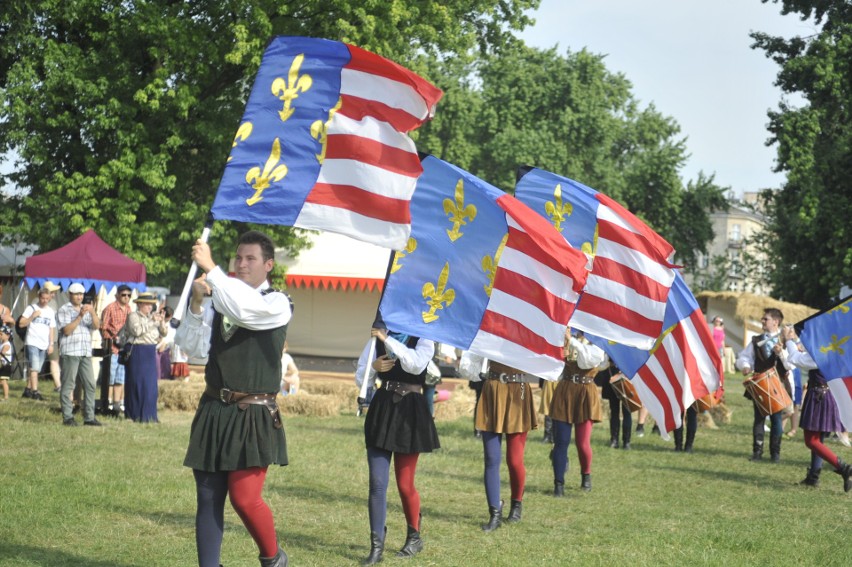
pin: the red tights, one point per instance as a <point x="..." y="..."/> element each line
<point x="583" y="439"/>
<point x="814" y="442"/>
<point x="404" y="467"/>
<point x="244" y="488"/>
<point x="515" y="446"/>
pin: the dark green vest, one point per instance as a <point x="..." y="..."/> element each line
<point x="249" y="361"/>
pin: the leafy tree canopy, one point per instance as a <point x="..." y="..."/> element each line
<point x="809" y="216"/>
<point x="121" y="113"/>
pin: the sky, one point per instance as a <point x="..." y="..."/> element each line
<point x="691" y="59"/>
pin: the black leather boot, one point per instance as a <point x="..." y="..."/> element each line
<point x="775" y="448"/>
<point x="586" y="482"/>
<point x="548" y="430"/>
<point x="558" y="488"/>
<point x="690" y="439"/>
<point x="279" y="560"/>
<point x="812" y="478"/>
<point x="845" y="470"/>
<point x="377" y="547"/>
<point x="514" y="512"/>
<point x="495" y="519"/>
<point x="757" y="449"/>
<point x="678" y="437"/>
<point x="413" y="544"/>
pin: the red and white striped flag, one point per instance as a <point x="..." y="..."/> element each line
<point x="484" y="273"/>
<point x="323" y="143"/>
<point x="625" y="295"/>
<point x="683" y="367"/>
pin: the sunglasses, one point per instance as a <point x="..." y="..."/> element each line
<point x="125" y="295"/>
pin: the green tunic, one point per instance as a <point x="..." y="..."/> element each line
<point x="224" y="437"/>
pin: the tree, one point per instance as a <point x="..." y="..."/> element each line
<point x="809" y="216"/>
<point x="121" y="114"/>
<point x="570" y="115"/>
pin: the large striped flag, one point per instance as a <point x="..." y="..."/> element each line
<point x="323" y="142"/>
<point x="683" y="365"/>
<point x="827" y="336"/>
<point x="625" y="295"/>
<point x="484" y="273"/>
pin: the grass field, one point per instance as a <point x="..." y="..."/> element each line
<point x="118" y="496"/>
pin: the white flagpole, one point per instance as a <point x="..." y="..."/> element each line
<point x="366" y="381"/>
<point x="187" y="286"/>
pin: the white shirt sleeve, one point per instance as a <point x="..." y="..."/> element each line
<point x="414" y="360"/>
<point x="245" y="307"/>
<point x="799" y="359"/>
<point x="588" y="355"/>
<point x="193" y="335"/>
<point x="470" y="366"/>
<point x="746" y="358"/>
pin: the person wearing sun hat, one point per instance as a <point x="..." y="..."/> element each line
<point x="76" y="322"/>
<point x="144" y="329"/>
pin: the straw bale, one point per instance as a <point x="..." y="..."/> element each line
<point x="312" y="405"/>
<point x="749" y="307"/>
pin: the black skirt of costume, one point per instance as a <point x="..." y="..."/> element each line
<point x="403" y="426"/>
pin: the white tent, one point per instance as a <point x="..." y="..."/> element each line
<point x="335" y="285"/>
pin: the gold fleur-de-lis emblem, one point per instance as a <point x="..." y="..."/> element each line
<point x="557" y="210"/>
<point x="835" y="345"/>
<point x="489" y="266"/>
<point x="287" y="90"/>
<point x="458" y="212"/>
<point x="272" y="172"/>
<point x="319" y="130"/>
<point x="437" y="295"/>
<point x="843" y="307"/>
<point x="410" y="247"/>
<point x="243" y="132"/>
<point x="590" y="248"/>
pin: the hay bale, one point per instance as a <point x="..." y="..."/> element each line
<point x="178" y="395"/>
<point x="460" y="404"/>
<point x="304" y="403"/>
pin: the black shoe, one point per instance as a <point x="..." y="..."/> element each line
<point x="514" y="512"/>
<point x="377" y="547"/>
<point x="279" y="560"/>
<point x="613" y="443"/>
<point x="69" y="422"/>
<point x="812" y="478"/>
<point x="687" y="448"/>
<point x="656" y="429"/>
<point x="36" y="395"/>
<point x="93" y="422"/>
<point x="558" y="488"/>
<point x="640" y="430"/>
<point x="586" y="482"/>
<point x="27" y="393"/>
<point x="626" y="445"/>
<point x="845" y="470"/>
<point x="413" y="544"/>
<point x="495" y="519"/>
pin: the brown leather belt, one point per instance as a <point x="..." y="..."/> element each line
<point x="579" y="379"/>
<point x="400" y="389"/>
<point x="244" y="399"/>
<point x="506" y="378"/>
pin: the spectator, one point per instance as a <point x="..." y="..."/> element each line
<point x="77" y="321"/>
<point x="144" y="329"/>
<point x="290" y="381"/>
<point x="719" y="335"/>
<point x="113" y="318"/>
<point x="164" y="347"/>
<point x="7" y="355"/>
<point x="39" y="320"/>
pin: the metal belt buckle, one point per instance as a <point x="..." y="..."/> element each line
<point x="225" y="395"/>
<point x="504" y="378"/>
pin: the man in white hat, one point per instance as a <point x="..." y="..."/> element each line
<point x="76" y="322"/>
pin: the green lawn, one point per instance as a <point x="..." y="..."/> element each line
<point x="118" y="496"/>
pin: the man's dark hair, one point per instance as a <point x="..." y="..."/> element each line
<point x="267" y="248"/>
<point x="122" y="287"/>
<point x="774" y="313"/>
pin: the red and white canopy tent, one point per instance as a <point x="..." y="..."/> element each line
<point x="335" y="285"/>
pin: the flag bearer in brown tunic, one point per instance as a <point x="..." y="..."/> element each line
<point x="237" y="431"/>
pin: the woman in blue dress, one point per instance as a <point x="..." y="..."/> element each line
<point x="144" y="329"/>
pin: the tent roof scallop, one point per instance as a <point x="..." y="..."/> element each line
<point x="88" y="260"/>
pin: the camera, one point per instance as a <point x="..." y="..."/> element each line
<point x="88" y="299"/>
